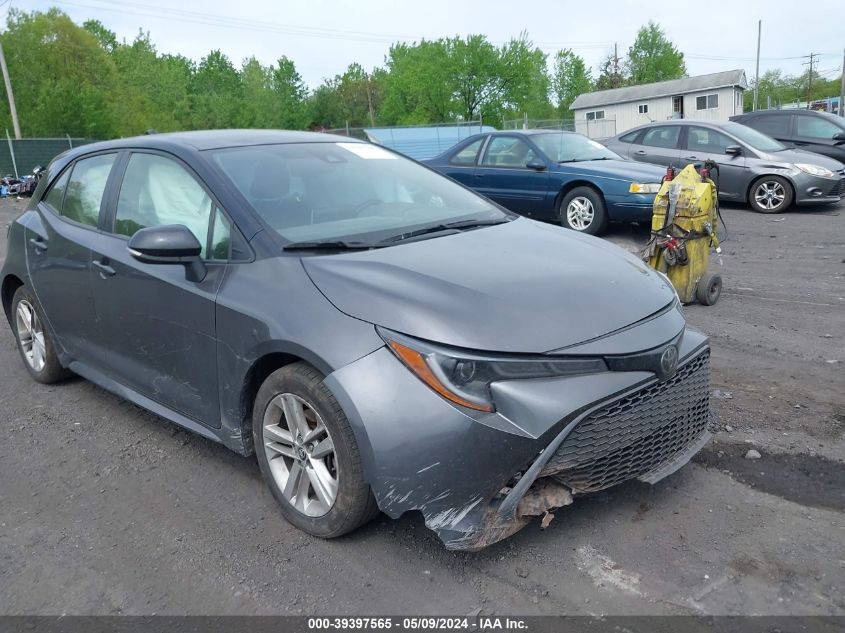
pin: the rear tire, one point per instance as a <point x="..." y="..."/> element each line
<point x="35" y="342"/>
<point x="583" y="210"/>
<point x="770" y="194"/>
<point x="708" y="289"/>
<point x="308" y="454"/>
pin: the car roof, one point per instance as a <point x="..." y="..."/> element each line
<point x="798" y="111"/>
<point x="216" y="139"/>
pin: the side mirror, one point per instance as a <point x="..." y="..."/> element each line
<point x="734" y="150"/>
<point x="839" y="136"/>
<point x="536" y="164"/>
<point x="169" y="244"/>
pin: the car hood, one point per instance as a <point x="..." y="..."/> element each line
<point x="793" y="156"/>
<point x="629" y="170"/>
<point x="515" y="287"/>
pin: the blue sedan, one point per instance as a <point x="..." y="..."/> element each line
<point x="550" y="175"/>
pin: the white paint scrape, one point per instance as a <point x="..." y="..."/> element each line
<point x="604" y="572"/>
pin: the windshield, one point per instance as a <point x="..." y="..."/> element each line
<point x="564" y="147"/>
<point x="346" y="191"/>
<point x="753" y="138"/>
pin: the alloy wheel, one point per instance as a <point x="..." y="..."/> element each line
<point x="770" y="195"/>
<point x="31" y="335"/>
<point x="580" y="213"/>
<point x="301" y="454"/>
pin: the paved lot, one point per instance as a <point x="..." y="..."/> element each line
<point x="105" y="508"/>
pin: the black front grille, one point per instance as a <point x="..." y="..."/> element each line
<point x="635" y="435"/>
<point x="838" y="189"/>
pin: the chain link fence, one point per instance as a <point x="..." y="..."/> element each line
<point x="597" y="129"/>
<point x="19" y="156"/>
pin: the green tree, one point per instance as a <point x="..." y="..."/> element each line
<point x="570" y="78"/>
<point x="347" y="99"/>
<point x="216" y="93"/>
<point x="418" y="84"/>
<point x="289" y="92"/>
<point x="653" y="57"/>
<point x="524" y="79"/>
<point x="65" y="81"/>
<point x="612" y="74"/>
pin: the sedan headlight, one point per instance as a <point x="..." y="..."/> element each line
<point x="464" y="378"/>
<point x="639" y="187"/>
<point x="814" y="170"/>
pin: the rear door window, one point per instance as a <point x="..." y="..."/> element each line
<point x="85" y="189"/>
<point x="776" y="125"/>
<point x="662" y="136"/>
<point x="56" y="195"/>
<point x="468" y="154"/>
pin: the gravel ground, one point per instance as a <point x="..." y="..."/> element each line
<point x="107" y="509"/>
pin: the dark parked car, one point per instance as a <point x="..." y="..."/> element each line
<point x="819" y="132"/>
<point x="379" y="336"/>
<point x="549" y="175"/>
<point x="753" y="167"/>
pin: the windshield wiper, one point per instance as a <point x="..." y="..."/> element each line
<point x="338" y="245"/>
<point x="437" y="228"/>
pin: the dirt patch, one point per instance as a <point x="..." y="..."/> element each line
<point x="810" y="480"/>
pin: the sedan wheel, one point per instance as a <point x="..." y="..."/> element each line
<point x="580" y="213"/>
<point x="301" y="454"/>
<point x="582" y="209"/>
<point x="30" y="335"/>
<point x="771" y="194"/>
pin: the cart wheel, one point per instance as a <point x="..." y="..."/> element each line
<point x="708" y="289"/>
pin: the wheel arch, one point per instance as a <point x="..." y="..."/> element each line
<point x="11" y="283"/>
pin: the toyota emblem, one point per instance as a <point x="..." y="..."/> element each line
<point x="668" y="361"/>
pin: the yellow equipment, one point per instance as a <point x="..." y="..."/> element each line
<point x="683" y="229"/>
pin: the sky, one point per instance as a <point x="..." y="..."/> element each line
<point x="323" y="37"/>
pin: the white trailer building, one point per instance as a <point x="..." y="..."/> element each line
<point x="606" y="113"/>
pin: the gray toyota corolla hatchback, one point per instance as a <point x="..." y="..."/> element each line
<point x="379" y="336"/>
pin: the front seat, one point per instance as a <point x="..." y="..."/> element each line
<point x="271" y="196"/>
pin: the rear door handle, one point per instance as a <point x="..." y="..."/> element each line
<point x="39" y="244"/>
<point x="691" y="158"/>
<point x="640" y="152"/>
<point x="105" y="269"/>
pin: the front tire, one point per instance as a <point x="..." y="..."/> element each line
<point x="308" y="454"/>
<point x="770" y="194"/>
<point x="583" y="210"/>
<point x="35" y="343"/>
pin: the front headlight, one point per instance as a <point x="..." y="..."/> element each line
<point x="639" y="187"/>
<point x="464" y="378"/>
<point x="814" y="170"/>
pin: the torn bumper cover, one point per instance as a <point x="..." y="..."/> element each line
<point x="478" y="478"/>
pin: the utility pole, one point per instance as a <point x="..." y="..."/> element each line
<point x="842" y="89"/>
<point x="370" y="101"/>
<point x="757" y="73"/>
<point x="12" y="109"/>
<point x="812" y="61"/>
<point x="615" y="79"/>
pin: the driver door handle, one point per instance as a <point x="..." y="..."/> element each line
<point x="640" y="152"/>
<point x="39" y="244"/>
<point x="105" y="269"/>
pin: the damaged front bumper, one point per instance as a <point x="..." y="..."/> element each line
<point x="478" y="478"/>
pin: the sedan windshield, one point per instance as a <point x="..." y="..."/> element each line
<point x="753" y="138"/>
<point x="567" y="147"/>
<point x="349" y="192"/>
